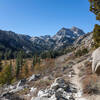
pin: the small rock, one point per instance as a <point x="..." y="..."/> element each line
<point x="21" y="83"/>
<point x="53" y="97"/>
<point x="55" y="86"/>
<point x="34" y="77"/>
<point x="71" y="98"/>
<point x="59" y="83"/>
<point x="45" y="78"/>
<point x="39" y="98"/>
<point x="41" y="93"/>
<point x="59" y="93"/>
<point x="33" y="89"/>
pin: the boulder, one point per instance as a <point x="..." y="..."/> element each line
<point x="45" y="93"/>
<point x="34" y="77"/>
<point x="32" y="90"/>
<point x="20" y="86"/>
<point x="53" y="97"/>
<point x="41" y="93"/>
<point x="59" y="90"/>
<point x="21" y="83"/>
<point x="55" y="86"/>
<point x="59" y="93"/>
<point x="10" y="96"/>
<point x="96" y="61"/>
<point x="40" y="98"/>
<point x="59" y="83"/>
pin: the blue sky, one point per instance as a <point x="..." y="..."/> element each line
<point x="45" y="17"/>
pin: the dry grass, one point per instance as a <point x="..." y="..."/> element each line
<point x="85" y="70"/>
<point x="90" y="82"/>
<point x="45" y="68"/>
<point x="90" y="85"/>
<point x="58" y="74"/>
<point x="42" y="84"/>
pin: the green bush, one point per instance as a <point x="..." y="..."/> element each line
<point x="81" y="52"/>
<point x="96" y="36"/>
<point x="6" y="75"/>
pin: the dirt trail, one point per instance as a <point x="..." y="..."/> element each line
<point x="76" y="81"/>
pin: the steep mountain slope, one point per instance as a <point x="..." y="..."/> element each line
<point x="43" y="42"/>
<point x="84" y="40"/>
<point x="12" y="42"/>
<point x="15" y="41"/>
<point x="63" y="38"/>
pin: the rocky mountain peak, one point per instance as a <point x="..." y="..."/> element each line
<point x="77" y="31"/>
<point x="74" y="28"/>
<point x="74" y="32"/>
<point x="63" y="28"/>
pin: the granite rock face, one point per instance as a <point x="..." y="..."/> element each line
<point x="96" y="61"/>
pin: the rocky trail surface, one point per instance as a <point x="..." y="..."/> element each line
<point x="76" y="81"/>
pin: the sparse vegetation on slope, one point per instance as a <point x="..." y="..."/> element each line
<point x="6" y="76"/>
<point x="90" y="81"/>
<point x="81" y="52"/>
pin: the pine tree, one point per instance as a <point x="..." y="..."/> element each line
<point x="39" y="61"/>
<point x="19" y="63"/>
<point x="34" y="61"/>
<point x="95" y="8"/>
<point x="5" y="56"/>
<point x="10" y="76"/>
<point x="25" y="68"/>
<point x="6" y="75"/>
<point x="0" y="64"/>
<point x="96" y="35"/>
<point x="17" y="66"/>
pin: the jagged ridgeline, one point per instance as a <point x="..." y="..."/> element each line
<point x="12" y="43"/>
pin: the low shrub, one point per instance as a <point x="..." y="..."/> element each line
<point x="81" y="52"/>
<point x="42" y="84"/>
<point x="6" y="76"/>
<point x="90" y="81"/>
<point x="91" y="85"/>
